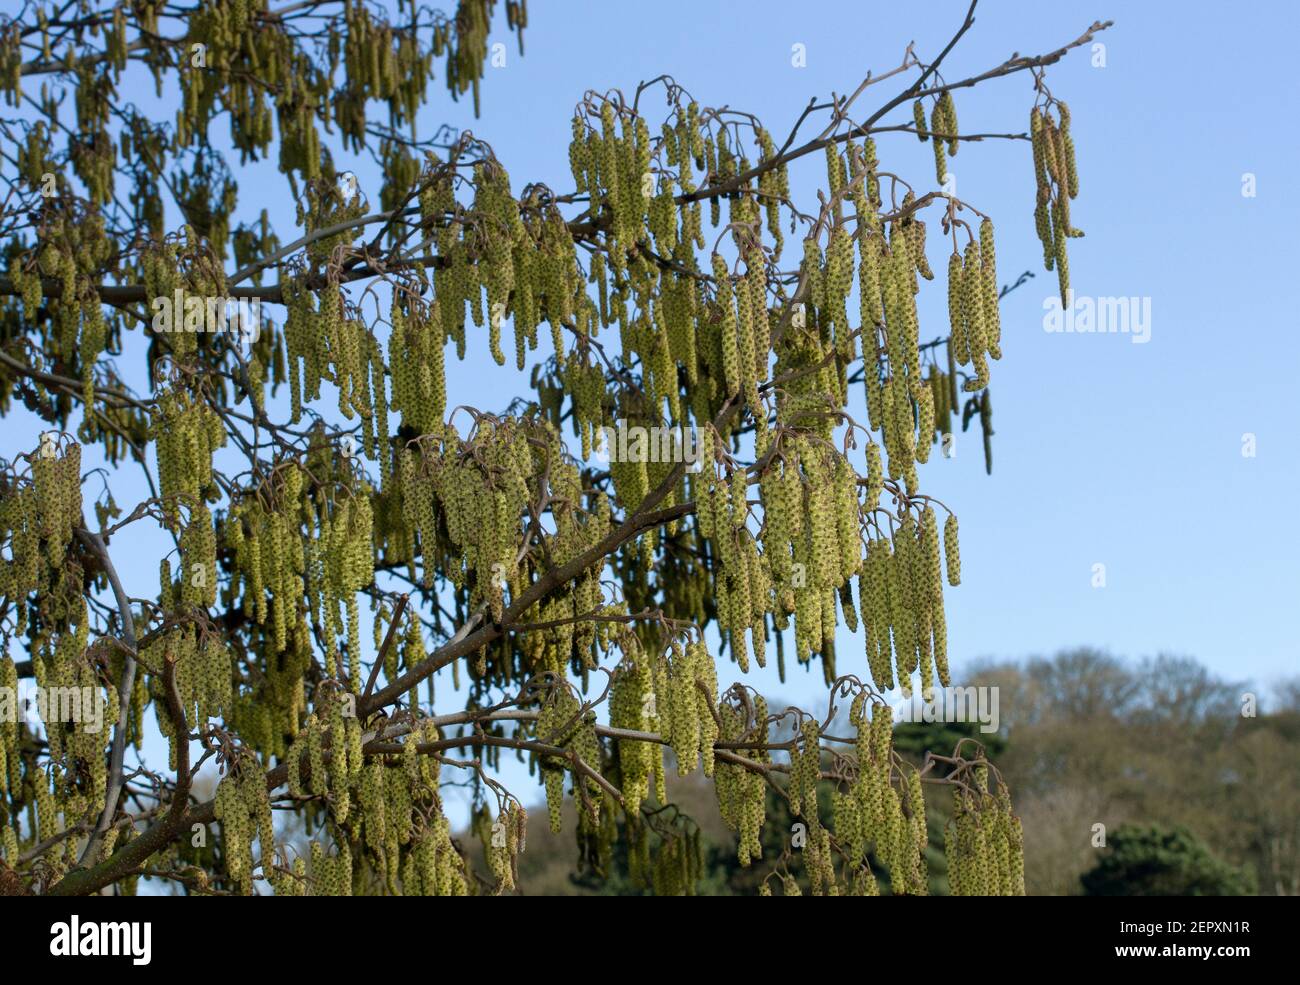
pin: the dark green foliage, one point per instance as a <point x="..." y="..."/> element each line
<point x="1154" y="861"/>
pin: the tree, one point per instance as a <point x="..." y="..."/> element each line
<point x="1265" y="795"/>
<point x="1162" y="862"/>
<point x="579" y="600"/>
<point x="1094" y="739"/>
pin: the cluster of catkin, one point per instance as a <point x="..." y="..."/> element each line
<point x="71" y="249"/>
<point x="298" y="555"/>
<point x="433" y="866"/>
<point x="1057" y="181"/>
<point x="186" y="432"/>
<point x="482" y="489"/>
<point x="687" y="686"/>
<point x="883" y="811"/>
<point x="975" y="324"/>
<point x="38" y="514"/>
<point x="565" y="724"/>
<point x="746" y="333"/>
<point x="342" y="563"/>
<point x="668" y="863"/>
<point x="742" y="791"/>
<point x="11" y="62"/>
<point x="942" y="128"/>
<point x="417" y="370"/>
<point x="388" y="804"/>
<point x="503" y="838"/>
<point x="900" y="591"/>
<point x="243" y="807"/>
<point x="464" y="39"/>
<point x="10" y="753"/>
<point x="983" y="840"/>
<point x="264" y="533"/>
<point x="502" y="257"/>
<point x="634" y="705"/>
<point x="674" y="696"/>
<point x="332" y="345"/>
<point x="459" y="505"/>
<point x="204" y="679"/>
<point x="77" y="768"/>
<point x="743" y="577"/>
<point x="264" y="77"/>
<point x="576" y="641"/>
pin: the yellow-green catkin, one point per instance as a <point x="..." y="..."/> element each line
<point x="992" y="316"/>
<point x="938" y="126"/>
<point x="950" y="121"/>
<point x="951" y="552"/>
<point x="918" y="118"/>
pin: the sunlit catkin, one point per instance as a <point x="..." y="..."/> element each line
<point x="918" y="120"/>
<point x="951" y="551"/>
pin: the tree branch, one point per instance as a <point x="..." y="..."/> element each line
<point x="126" y="685"/>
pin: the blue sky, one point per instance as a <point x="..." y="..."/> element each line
<point x="1127" y="455"/>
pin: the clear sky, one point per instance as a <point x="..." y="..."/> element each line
<point x="1107" y="452"/>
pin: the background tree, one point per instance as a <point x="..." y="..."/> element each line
<point x="585" y="605"/>
<point x="1161" y="862"/>
<point x="1091" y="739"/>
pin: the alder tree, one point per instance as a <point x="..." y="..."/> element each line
<point x="712" y="464"/>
